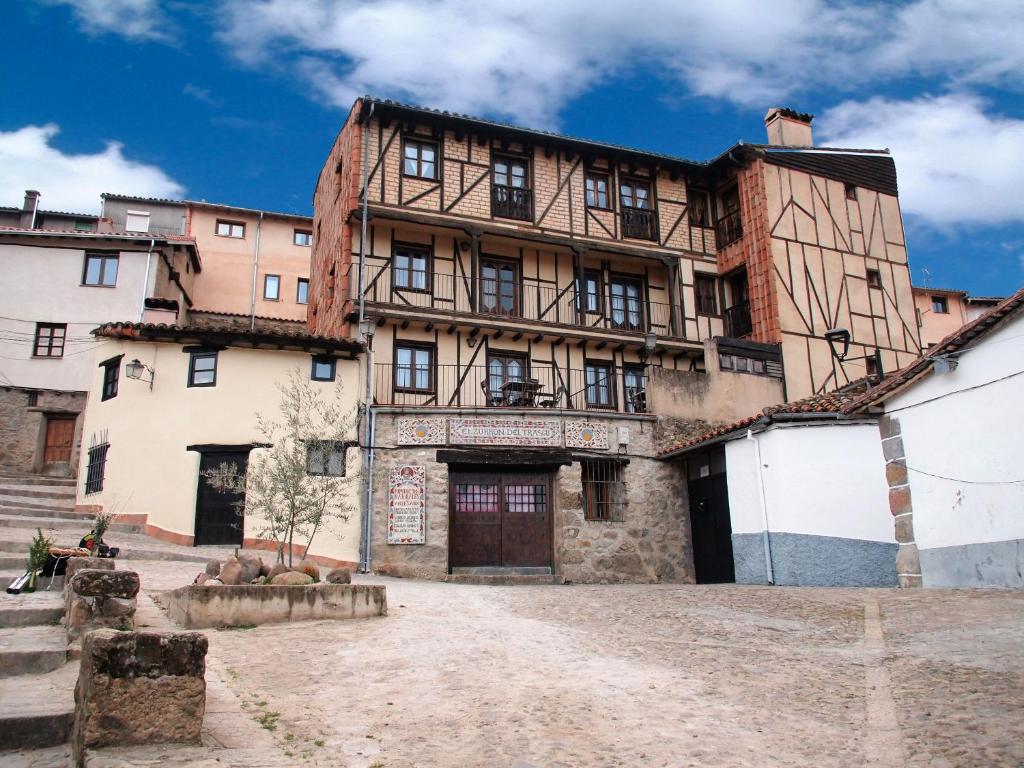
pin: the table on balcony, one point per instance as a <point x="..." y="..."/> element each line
<point x="521" y="393"/>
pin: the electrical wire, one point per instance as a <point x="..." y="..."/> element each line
<point x="962" y="480"/>
<point x="954" y="392"/>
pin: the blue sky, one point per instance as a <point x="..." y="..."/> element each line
<point x="238" y="101"/>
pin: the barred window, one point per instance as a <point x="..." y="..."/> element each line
<point x="96" y="468"/>
<point x="325" y="458"/>
<point x="604" y="491"/>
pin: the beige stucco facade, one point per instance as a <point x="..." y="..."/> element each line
<point x="235" y="269"/>
<point x="940" y="312"/>
<point x="152" y="476"/>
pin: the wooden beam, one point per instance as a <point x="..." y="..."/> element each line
<point x="601" y="345"/>
<point x="557" y="342"/>
<point x="518" y="336"/>
<point x="538" y="338"/>
<point x="619" y="347"/>
<point x="380" y="322"/>
<point x="429" y="327"/>
<point x="405" y="324"/>
<point x="582" y="343"/>
<point x="451" y="329"/>
<point x="474" y="333"/>
<point x="498" y="334"/>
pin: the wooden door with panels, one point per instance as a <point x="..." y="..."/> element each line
<point x="60" y="438"/>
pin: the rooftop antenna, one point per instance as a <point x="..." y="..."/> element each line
<point x="927" y="275"/>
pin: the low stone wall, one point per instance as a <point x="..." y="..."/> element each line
<point x="198" y="607"/>
<point x="97" y="599"/>
<point x="139" y="688"/>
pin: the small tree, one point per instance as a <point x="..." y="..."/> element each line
<point x="296" y="486"/>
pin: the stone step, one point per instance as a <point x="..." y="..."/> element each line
<point x="32" y="650"/>
<point x="492" y="570"/>
<point x="506" y="580"/>
<point x="31" y="609"/>
<point x="7" y="478"/>
<point x="38" y="492"/>
<point x="45" y="757"/>
<point x="19" y="521"/>
<point x="57" y="514"/>
<point x="37" y="710"/>
<point x="42" y="583"/>
<point x="14" y="562"/>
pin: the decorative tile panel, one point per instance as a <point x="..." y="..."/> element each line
<point x="586" y="434"/>
<point x="529" y="433"/>
<point x="422" y="431"/>
<point x="407" y="505"/>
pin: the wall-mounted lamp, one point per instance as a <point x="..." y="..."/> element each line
<point x="650" y="342"/>
<point x="366" y="330"/>
<point x="137" y="370"/>
<point x="839" y="341"/>
<point x="944" y="364"/>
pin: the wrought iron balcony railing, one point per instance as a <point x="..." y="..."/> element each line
<point x="639" y="223"/>
<point x="737" y="320"/>
<point x="728" y="229"/>
<point x="511" y="202"/>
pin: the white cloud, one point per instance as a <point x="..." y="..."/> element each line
<point x="527" y="59"/>
<point x="957" y="164"/>
<point x="134" y="19"/>
<point x="73" y="182"/>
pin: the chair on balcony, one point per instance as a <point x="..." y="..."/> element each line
<point x="555" y="400"/>
<point x="490" y="398"/>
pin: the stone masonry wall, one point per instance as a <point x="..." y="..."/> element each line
<point x="23" y="426"/>
<point x="908" y="561"/>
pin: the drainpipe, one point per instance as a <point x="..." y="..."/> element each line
<point x="367" y="339"/>
<point x="764" y="507"/>
<point x="145" y="282"/>
<point x="255" y="275"/>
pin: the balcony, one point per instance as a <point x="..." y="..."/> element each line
<point x="526" y="299"/>
<point x="545" y="388"/>
<point x="728" y="229"/>
<point x="639" y="223"/>
<point x="737" y="320"/>
<point x="511" y="202"/>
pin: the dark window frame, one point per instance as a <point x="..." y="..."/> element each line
<point x="512" y="160"/>
<point x="698" y="297"/>
<point x="874" y="278"/>
<point x="96" y="468"/>
<point x="111" y="377"/>
<point x="412" y="250"/>
<point x="634" y="183"/>
<point x="632" y="406"/>
<point x="325" y="447"/>
<point x="231" y="224"/>
<point x="103" y="258"/>
<point x="414" y="346"/>
<point x="597" y="276"/>
<point x="420" y="143"/>
<point x="595" y="174"/>
<point x="624" y="278"/>
<point x="850" y="191"/>
<point x="202" y="355"/>
<point x="323" y="360"/>
<point x="308" y="233"/>
<point x="50" y="339"/>
<point x="298" y="290"/>
<point x="506" y="356"/>
<point x="940" y="301"/>
<point x="266" y="284"/>
<point x="695" y="193"/>
<point x="604" y="490"/>
<point x="610" y="382"/>
<point x="517" y="281"/>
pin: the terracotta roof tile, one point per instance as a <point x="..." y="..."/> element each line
<point x="149" y="331"/>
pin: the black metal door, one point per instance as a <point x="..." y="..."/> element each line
<point x="218" y="517"/>
<point x="711" y="530"/>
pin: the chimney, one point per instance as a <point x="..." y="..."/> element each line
<point x="788" y="128"/>
<point x="28" y="210"/>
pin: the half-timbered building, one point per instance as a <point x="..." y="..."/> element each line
<point x="541" y="309"/>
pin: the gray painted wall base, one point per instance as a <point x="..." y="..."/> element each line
<point x="802" y="560"/>
<point x="992" y="564"/>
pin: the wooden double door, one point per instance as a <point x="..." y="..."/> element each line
<point x="500" y="519"/>
<point x="218" y="517"/>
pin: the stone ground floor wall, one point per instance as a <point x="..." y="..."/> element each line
<point x="649" y="543"/>
<point x="23" y="415"/>
<point x="800" y="560"/>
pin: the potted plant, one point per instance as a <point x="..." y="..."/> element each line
<point x="38" y="551"/>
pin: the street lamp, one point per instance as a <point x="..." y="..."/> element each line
<point x="137" y="369"/>
<point x="839" y="342"/>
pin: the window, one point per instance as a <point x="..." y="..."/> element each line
<point x="499" y="287"/>
<point x="510" y="172"/>
<point x="230" y="228"/>
<point x="705" y="290"/>
<point x="302" y="291"/>
<point x="510" y="189"/>
<point x="82" y="225"/>
<point x="592" y="292"/>
<point x="136" y="221"/>
<point x="627" y="299"/>
<point x="325" y="457"/>
<point x="33" y="398"/>
<point x="96" y="468"/>
<point x="742" y="364"/>
<point x="729" y="227"/>
<point x="940" y="305"/>
<point x="100" y="269"/>
<point x="414" y="368"/>
<point x="635" y="194"/>
<point x="634" y="388"/>
<point x="604" y="492"/>
<point x="503" y="367"/>
<point x="323" y="369"/>
<point x="50" y="339"/>
<point x="271" y="287"/>
<point x="411" y="268"/>
<point x="874" y="278"/>
<point x="202" y="369"/>
<point x="699" y="209"/>
<point x="850" y="190"/>
<point x="111" y="374"/>
<point x="420" y="159"/>
<point x="597" y="191"/>
<point x="871" y="366"/>
<point x="302" y="237"/>
<point x="600" y="385"/>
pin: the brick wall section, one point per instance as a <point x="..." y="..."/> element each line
<point x="908" y="563"/>
<point x="23" y="427"/>
<point x="336" y="196"/>
<point x="754" y="250"/>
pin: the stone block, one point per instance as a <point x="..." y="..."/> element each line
<point x="100" y="583"/>
<point x="76" y="564"/>
<point x="339" y="576"/>
<point x="910" y="580"/>
<point x="139" y="688"/>
<point x="896" y="472"/>
<point x="899" y="501"/>
<point x="292" y="579"/>
<point x="231" y="572"/>
<point x="213" y="568"/>
<point x="892" y="448"/>
<point x="905" y="528"/>
<point x="888" y="426"/>
<point x="907" y="560"/>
